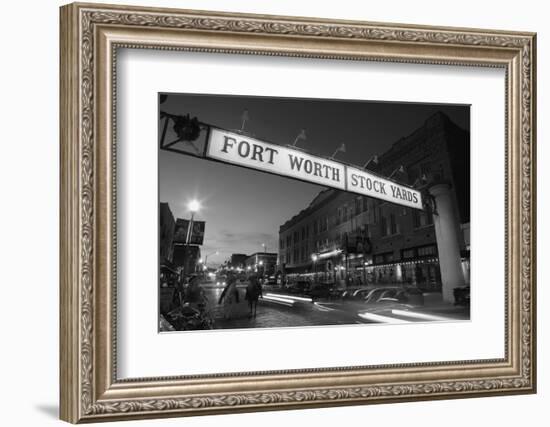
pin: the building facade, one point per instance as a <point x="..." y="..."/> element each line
<point x="167" y="226"/>
<point x="262" y="263"/>
<point x="350" y="240"/>
<point x="238" y="261"/>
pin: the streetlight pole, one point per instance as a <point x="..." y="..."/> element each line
<point x="193" y="207"/>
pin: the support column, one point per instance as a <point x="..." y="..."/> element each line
<point x="448" y="241"/>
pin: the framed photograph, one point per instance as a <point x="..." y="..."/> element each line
<point x="265" y="213"/>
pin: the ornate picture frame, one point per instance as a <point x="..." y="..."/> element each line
<point x="90" y="37"/>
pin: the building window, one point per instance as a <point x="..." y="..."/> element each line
<point x="324" y="224"/>
<point x="383" y="258"/>
<point x="421" y="219"/>
<point x="358" y="205"/>
<point x="408" y="253"/>
<point x="383" y="226"/>
<point x="427" y="251"/>
<point x="429" y="218"/>
<point x="394" y="227"/>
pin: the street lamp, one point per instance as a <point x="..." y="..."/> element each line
<point x="193" y="206"/>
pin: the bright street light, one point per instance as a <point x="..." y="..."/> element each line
<point x="194" y="205"/>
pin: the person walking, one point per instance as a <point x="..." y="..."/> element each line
<point x="229" y="297"/>
<point x="194" y="294"/>
<point x="253" y="293"/>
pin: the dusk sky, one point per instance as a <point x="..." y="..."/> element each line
<point x="244" y="208"/>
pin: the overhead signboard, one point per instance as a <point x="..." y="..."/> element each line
<point x="245" y="151"/>
<point x="242" y="150"/>
<point x="362" y="182"/>
<point x="196" y="237"/>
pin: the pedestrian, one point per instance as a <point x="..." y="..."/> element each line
<point x="194" y="294"/>
<point x="229" y="297"/>
<point x="178" y="295"/>
<point x="253" y="292"/>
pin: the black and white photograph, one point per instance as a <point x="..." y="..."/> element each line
<point x="290" y="212"/>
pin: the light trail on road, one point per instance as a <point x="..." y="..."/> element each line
<point x="381" y="319"/>
<point x="278" y="300"/>
<point x="292" y="297"/>
<point x="422" y="316"/>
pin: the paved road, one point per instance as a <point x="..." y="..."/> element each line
<point x="283" y="310"/>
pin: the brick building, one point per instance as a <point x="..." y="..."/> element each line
<point x="354" y="240"/>
<point x="263" y="263"/>
<point x="167" y="226"/>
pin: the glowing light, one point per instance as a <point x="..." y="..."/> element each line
<point x="290" y="297"/>
<point x="194" y="205"/>
<point x="283" y="301"/>
<point x="322" y="307"/>
<point x="422" y="316"/>
<point x="381" y="319"/>
<point x="330" y="254"/>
